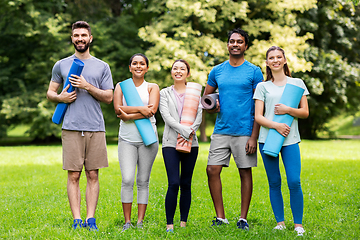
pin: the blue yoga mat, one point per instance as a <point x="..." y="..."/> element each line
<point x="76" y="69"/>
<point x="133" y="99"/>
<point x="291" y="97"/>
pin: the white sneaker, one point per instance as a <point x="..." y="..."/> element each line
<point x="300" y="231"/>
<point x="224" y="220"/>
<point x="280" y="227"/>
<point x="219" y="221"/>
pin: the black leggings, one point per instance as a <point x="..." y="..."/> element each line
<point x="172" y="159"/>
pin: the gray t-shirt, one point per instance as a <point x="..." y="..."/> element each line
<point x="84" y="114"/>
<point x="271" y="94"/>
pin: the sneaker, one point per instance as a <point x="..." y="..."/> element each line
<point x="77" y="224"/>
<point x="280" y="227"/>
<point x="300" y="231"/>
<point x="140" y="225"/>
<point x="242" y="224"/>
<point x="91" y="224"/>
<point x="127" y="226"/>
<point x="170" y="230"/>
<point x="219" y="221"/>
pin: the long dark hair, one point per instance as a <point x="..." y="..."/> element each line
<point x="269" y="75"/>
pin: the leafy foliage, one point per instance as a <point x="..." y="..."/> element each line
<point x="197" y="32"/>
<point x="32" y="37"/>
<point x="36" y="34"/>
<point x="356" y="2"/>
<point x="335" y="54"/>
<point x="321" y="40"/>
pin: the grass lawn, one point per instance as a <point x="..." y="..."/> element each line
<point x="341" y="125"/>
<point x="34" y="203"/>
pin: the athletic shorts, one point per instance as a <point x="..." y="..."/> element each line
<point x="222" y="146"/>
<point x="84" y="149"/>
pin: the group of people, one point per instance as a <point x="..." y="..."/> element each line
<point x="245" y="103"/>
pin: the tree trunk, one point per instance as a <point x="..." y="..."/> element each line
<point x="203" y="137"/>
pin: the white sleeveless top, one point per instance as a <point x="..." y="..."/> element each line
<point x="128" y="130"/>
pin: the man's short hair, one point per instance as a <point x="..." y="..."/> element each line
<point x="241" y="32"/>
<point x="81" y="24"/>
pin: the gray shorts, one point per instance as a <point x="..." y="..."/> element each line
<point x="222" y="146"/>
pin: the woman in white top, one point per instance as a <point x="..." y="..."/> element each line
<point x="267" y="96"/>
<point x="131" y="149"/>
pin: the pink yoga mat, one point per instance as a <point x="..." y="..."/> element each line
<point x="188" y="116"/>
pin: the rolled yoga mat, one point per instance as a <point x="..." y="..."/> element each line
<point x="189" y="112"/>
<point x="209" y="101"/>
<point x="76" y="69"/>
<point x="133" y="99"/>
<point x="291" y="97"/>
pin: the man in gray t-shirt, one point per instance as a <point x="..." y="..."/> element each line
<point x="83" y="129"/>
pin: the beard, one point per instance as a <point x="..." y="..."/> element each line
<point x="82" y="49"/>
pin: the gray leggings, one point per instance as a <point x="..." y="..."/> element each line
<point x="130" y="155"/>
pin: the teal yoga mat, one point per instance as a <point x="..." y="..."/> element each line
<point x="133" y="99"/>
<point x="291" y="97"/>
<point x="76" y="69"/>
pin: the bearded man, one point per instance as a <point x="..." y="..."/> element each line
<point x="83" y="128"/>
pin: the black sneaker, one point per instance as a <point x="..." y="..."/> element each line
<point x="242" y="224"/>
<point x="219" y="221"/>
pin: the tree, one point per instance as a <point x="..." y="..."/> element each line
<point x="35" y="34"/>
<point x="321" y="40"/>
<point x="30" y="33"/>
<point x="197" y="32"/>
<point x="335" y="52"/>
<point x="355" y="2"/>
<point x="115" y="27"/>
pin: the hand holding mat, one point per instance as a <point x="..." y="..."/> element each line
<point x="188" y="116"/>
<point x="209" y="101"/>
<point x="133" y="99"/>
<point x="76" y="69"/>
<point x="291" y="97"/>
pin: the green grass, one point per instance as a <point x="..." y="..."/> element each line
<point x="18" y="131"/>
<point x="34" y="203"/>
<point x="341" y="126"/>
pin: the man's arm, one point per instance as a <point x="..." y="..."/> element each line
<point x="64" y="96"/>
<point x="208" y="90"/>
<point x="251" y="144"/>
<point x="105" y="96"/>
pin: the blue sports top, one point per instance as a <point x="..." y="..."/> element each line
<point x="236" y="88"/>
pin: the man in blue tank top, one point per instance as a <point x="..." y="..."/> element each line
<point x="235" y="130"/>
<point x="83" y="129"/>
